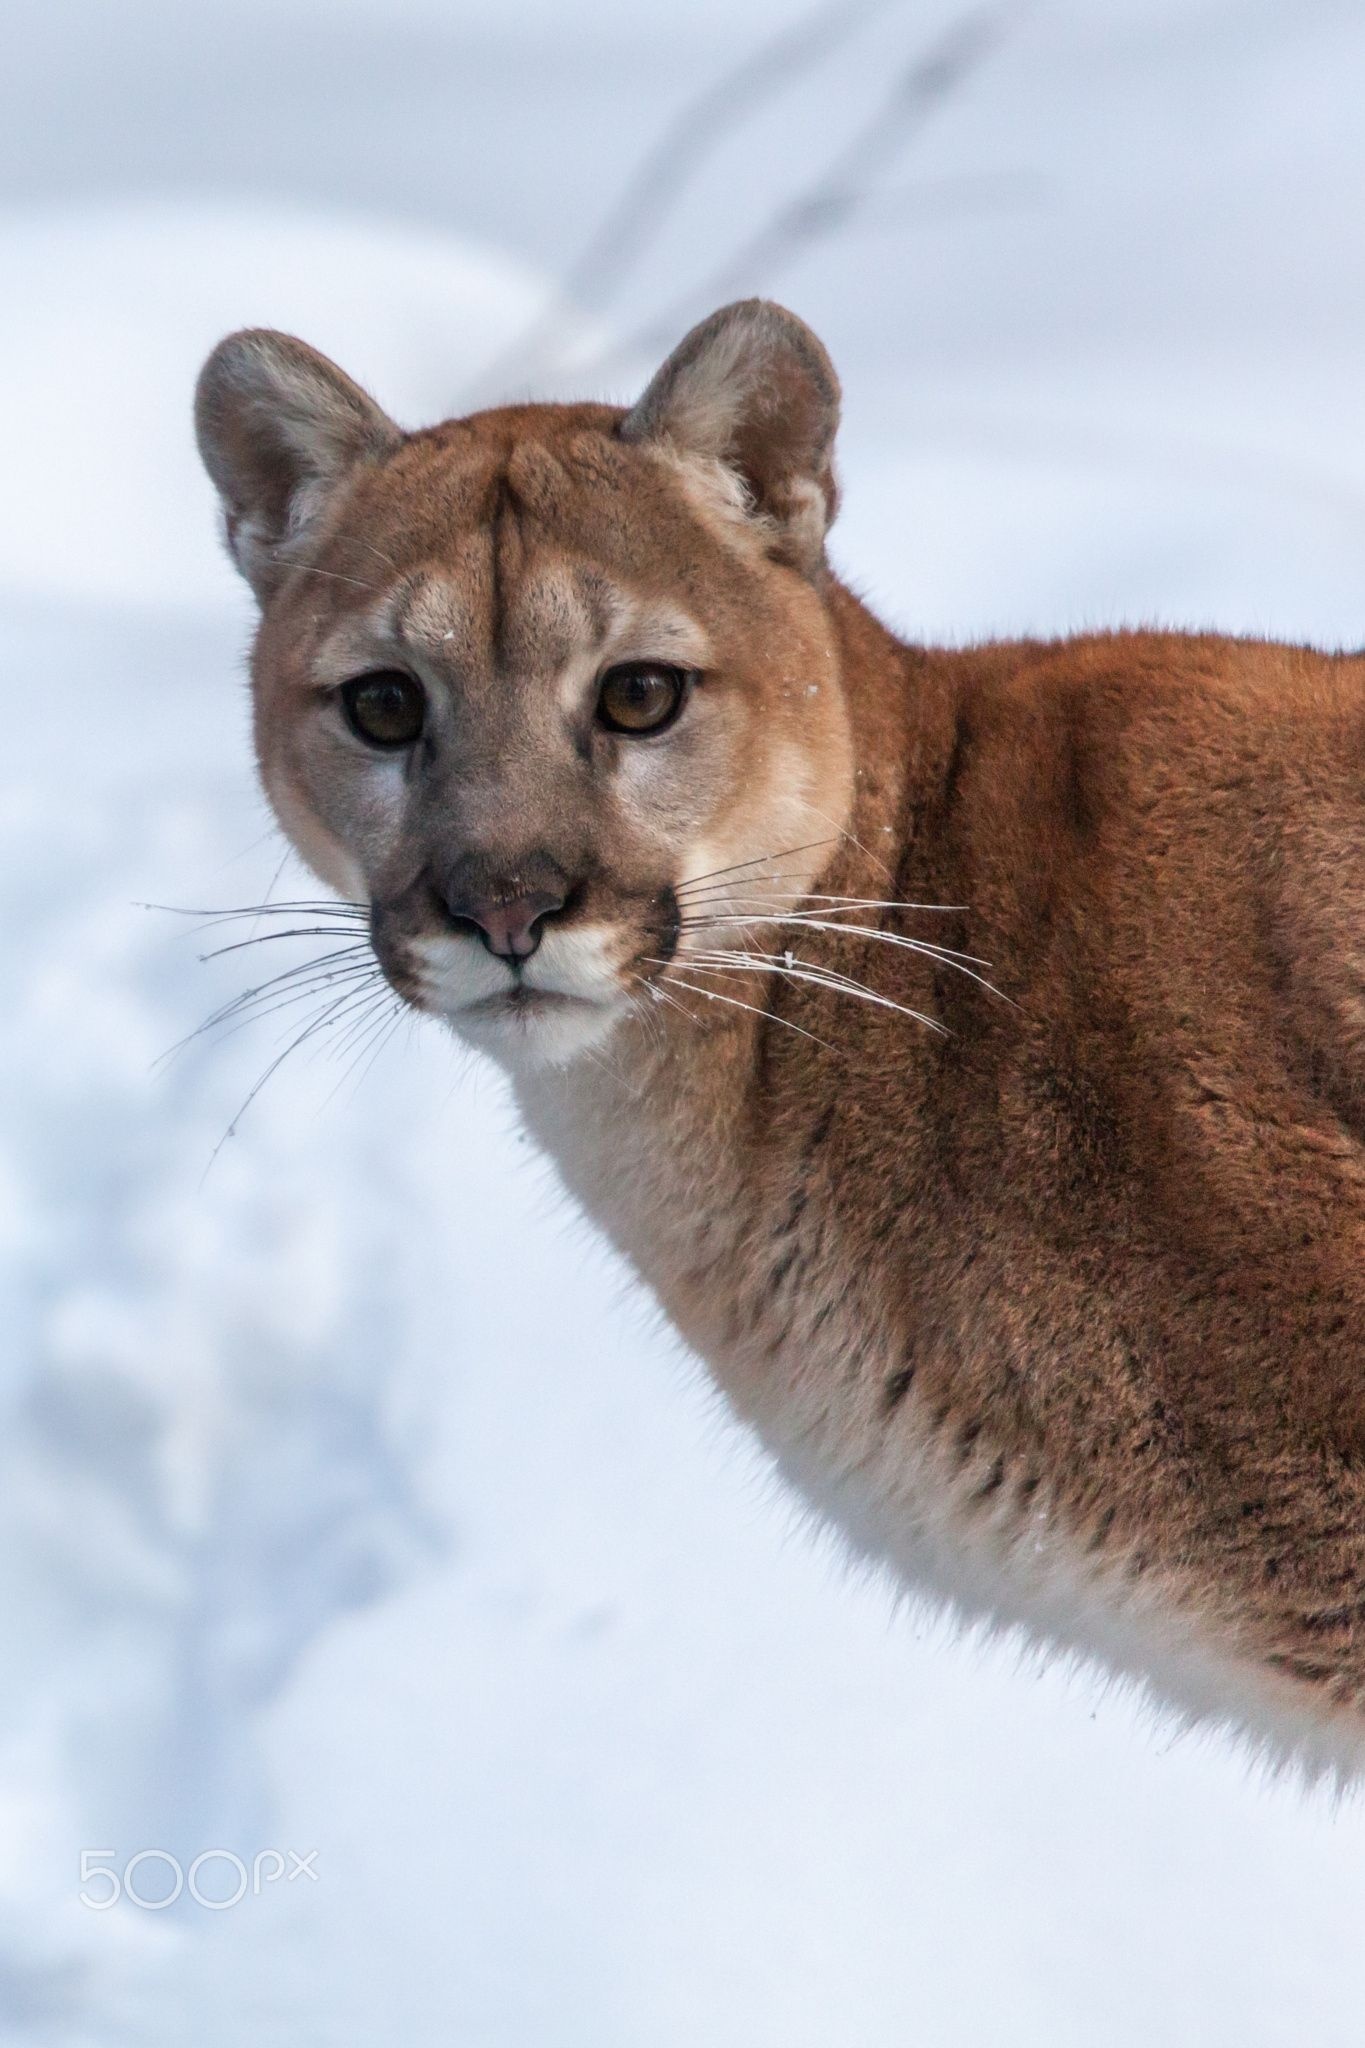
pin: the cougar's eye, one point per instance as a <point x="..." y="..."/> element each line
<point x="640" y="696"/>
<point x="385" y="709"/>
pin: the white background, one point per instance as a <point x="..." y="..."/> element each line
<point x="351" y="1499"/>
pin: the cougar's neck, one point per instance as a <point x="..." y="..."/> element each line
<point x="683" y="1136"/>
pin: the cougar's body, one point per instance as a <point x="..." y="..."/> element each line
<point x="967" y="1048"/>
<point x="1061" y="1311"/>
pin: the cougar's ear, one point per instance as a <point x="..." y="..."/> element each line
<point x="278" y="428"/>
<point x="753" y="389"/>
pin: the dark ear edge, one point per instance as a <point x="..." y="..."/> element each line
<point x="751" y="387"/>
<point x="278" y="426"/>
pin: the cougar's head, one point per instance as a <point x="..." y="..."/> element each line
<point x="530" y="683"/>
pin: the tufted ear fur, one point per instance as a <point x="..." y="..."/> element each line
<point x="753" y="389"/>
<point x="279" y="426"/>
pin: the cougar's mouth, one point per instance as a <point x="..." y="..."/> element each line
<point x="524" y="1001"/>
<point x="527" y="1016"/>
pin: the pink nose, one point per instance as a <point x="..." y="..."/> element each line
<point x="511" y="928"/>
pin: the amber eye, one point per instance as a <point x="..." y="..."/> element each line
<point x="640" y="696"/>
<point x="386" y="709"/>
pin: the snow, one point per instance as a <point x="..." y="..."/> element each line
<point x="134" y="293"/>
<point x="352" y="1498"/>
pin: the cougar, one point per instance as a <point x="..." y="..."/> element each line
<point x="966" y="1047"/>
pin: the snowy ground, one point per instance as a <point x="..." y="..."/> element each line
<point x="351" y="1500"/>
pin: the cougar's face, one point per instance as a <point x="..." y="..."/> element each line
<point x="532" y="699"/>
<point x="548" y="688"/>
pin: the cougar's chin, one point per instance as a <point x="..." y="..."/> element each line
<point x="530" y="1027"/>
<point x="562" y="1003"/>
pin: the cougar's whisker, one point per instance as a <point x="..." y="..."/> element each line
<point x="646" y="1017"/>
<point x="660" y="993"/>
<point x="364" y="1035"/>
<point x="378" y="1030"/>
<point x="339" y="958"/>
<point x="357" y="977"/>
<point x="333" y="575"/>
<point x="302" y="931"/>
<point x="787" y="853"/>
<point x="853" y="840"/>
<point x="713" y="995"/>
<point x="324" y="1019"/>
<point x="725" y="890"/>
<point x="230" y="1030"/>
<point x="945" y="956"/>
<point x="385" y="1038"/>
<point x="350" y="1003"/>
<point x="808" y="971"/>
<point x="300" y="907"/>
<point x="345" y="915"/>
<point x="820" y="922"/>
<point x="353" y="540"/>
<point x="278" y="992"/>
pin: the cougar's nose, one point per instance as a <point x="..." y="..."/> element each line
<point x="510" y="926"/>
